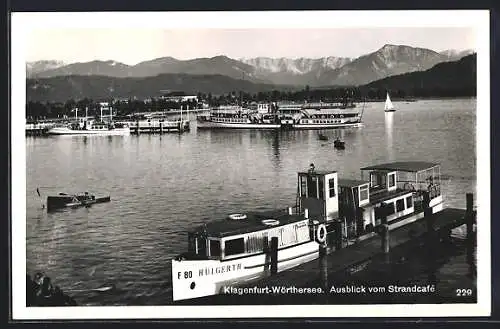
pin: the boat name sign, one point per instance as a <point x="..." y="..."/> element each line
<point x="219" y="269"/>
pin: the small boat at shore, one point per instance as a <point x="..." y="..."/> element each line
<point x="63" y="200"/>
<point x="239" y="249"/>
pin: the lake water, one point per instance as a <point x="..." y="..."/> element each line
<point x="161" y="186"/>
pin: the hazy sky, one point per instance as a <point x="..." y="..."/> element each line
<point x="131" y="46"/>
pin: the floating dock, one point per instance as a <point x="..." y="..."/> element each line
<point x="351" y="259"/>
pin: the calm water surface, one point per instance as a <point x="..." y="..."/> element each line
<point x="161" y="186"/>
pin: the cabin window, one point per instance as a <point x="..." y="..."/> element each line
<point x="201" y="244"/>
<point x="390" y="208"/>
<point x="303" y="185"/>
<point x="321" y="188"/>
<point x="400" y="205"/>
<point x="331" y="185"/>
<point x="379" y="213"/>
<point x="214" y="248"/>
<point x="409" y="202"/>
<point x="392" y="180"/>
<point x="255" y="243"/>
<point x="312" y="187"/>
<point x="363" y="193"/>
<point x="234" y="247"/>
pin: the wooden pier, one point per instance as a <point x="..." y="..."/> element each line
<point x="158" y="126"/>
<point x="431" y="229"/>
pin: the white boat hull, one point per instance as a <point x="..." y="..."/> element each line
<point x="327" y="125"/>
<point x="199" y="278"/>
<point x="229" y="125"/>
<point x="90" y="132"/>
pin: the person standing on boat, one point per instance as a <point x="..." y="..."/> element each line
<point x="311" y="168"/>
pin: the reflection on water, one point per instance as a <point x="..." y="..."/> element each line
<point x="161" y="186"/>
<point x="389" y="127"/>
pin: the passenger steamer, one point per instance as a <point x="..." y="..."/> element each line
<point x="235" y="250"/>
<point x="326" y="116"/>
<point x="285" y="116"/>
<point x="237" y="117"/>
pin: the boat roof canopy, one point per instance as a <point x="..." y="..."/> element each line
<point x="352" y="182"/>
<point x="408" y="166"/>
<point x="317" y="172"/>
<point x="252" y="223"/>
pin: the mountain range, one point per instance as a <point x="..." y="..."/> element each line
<point x="327" y="71"/>
<point x="457" y="78"/>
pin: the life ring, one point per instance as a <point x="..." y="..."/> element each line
<point x="270" y="222"/>
<point x="321" y="233"/>
<point x="237" y="216"/>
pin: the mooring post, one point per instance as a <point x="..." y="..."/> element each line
<point x="429" y="218"/>
<point x="338" y="234"/>
<point x="161" y="127"/>
<point x="323" y="264"/>
<point x="274" y="255"/>
<point x="385" y="238"/>
<point x="137" y="127"/>
<point x="469" y="221"/>
<point x="431" y="238"/>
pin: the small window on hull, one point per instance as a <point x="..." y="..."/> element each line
<point x="400" y="205"/>
<point x="214" y="248"/>
<point x="234" y="247"/>
<point x="409" y="202"/>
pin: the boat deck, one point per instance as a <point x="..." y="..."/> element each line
<point x="253" y="222"/>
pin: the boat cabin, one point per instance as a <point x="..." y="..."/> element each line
<point x="401" y="186"/>
<point x="318" y="192"/>
<point x="241" y="235"/>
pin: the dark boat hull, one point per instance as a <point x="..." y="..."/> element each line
<point x="70" y="201"/>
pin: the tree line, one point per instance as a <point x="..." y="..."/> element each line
<point x="44" y="110"/>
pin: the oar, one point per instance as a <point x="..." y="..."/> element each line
<point x="40" y="196"/>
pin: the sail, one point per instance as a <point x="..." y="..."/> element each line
<point x="388" y="103"/>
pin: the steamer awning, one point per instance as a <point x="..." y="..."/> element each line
<point x="408" y="166"/>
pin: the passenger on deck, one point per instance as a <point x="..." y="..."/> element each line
<point x="311" y="168"/>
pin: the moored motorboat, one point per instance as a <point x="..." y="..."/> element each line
<point x="236" y="250"/>
<point x="322" y="137"/>
<point x="338" y="144"/>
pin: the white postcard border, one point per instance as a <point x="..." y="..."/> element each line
<point x="22" y="23"/>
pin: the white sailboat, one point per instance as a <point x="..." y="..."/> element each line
<point x="388" y="105"/>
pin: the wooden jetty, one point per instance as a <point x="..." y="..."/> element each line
<point x="158" y="126"/>
<point x="332" y="261"/>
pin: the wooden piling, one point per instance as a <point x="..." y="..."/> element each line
<point x="323" y="265"/>
<point x="338" y="234"/>
<point x="274" y="255"/>
<point x="161" y="127"/>
<point x="384" y="231"/>
<point x="384" y="211"/>
<point x="385" y="237"/>
<point x="138" y="130"/>
<point x="470" y="239"/>
<point x="429" y="218"/>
